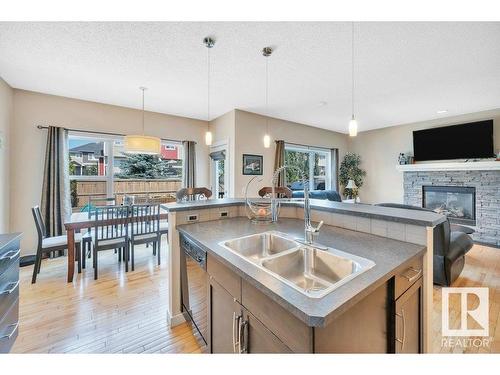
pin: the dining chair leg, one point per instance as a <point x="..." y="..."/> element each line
<point x="126" y="256"/>
<point x="78" y="252"/>
<point x="159" y="249"/>
<point x="94" y="259"/>
<point x="36" y="266"/>
<point x="154" y="249"/>
<point x="132" y="251"/>
<point x="84" y="253"/>
<point x="120" y="251"/>
<point x="39" y="262"/>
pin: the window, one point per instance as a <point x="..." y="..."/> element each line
<point x="315" y="163"/>
<point x="98" y="167"/>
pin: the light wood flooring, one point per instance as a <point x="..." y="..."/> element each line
<point x="119" y="313"/>
<point x="126" y="312"/>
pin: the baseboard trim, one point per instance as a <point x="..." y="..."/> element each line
<point x="175" y="320"/>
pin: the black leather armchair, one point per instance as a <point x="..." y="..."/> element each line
<point x="450" y="247"/>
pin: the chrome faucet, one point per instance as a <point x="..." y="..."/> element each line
<point x="309" y="231"/>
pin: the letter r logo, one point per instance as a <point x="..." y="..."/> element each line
<point x="476" y="315"/>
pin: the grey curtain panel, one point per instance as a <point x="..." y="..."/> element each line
<point x="335" y="168"/>
<point x="189" y="167"/>
<point x="279" y="161"/>
<point x="56" y="201"/>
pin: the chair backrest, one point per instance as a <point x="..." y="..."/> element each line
<point x="145" y="219"/>
<point x="98" y="201"/>
<point x="192" y="194"/>
<point x="280" y="191"/>
<point x="111" y="222"/>
<point x="39" y="224"/>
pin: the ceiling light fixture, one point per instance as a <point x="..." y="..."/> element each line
<point x="209" y="43"/>
<point x="142" y="144"/>
<point x="353" y="124"/>
<point x="267" y="51"/>
<point x="440" y="112"/>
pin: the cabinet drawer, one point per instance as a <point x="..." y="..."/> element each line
<point x="224" y="276"/>
<point x="294" y="333"/>
<point x="9" y="328"/>
<point x="407" y="276"/>
<point x="9" y="289"/>
<point x="9" y="255"/>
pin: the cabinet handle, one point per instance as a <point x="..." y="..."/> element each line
<point x="8" y="290"/>
<point x="414" y="277"/>
<point x="234" y="328"/>
<point x="243" y="335"/>
<point x="10" y="254"/>
<point x="8" y="336"/>
<point x="402" y="316"/>
<point x="236" y="333"/>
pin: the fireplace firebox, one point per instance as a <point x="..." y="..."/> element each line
<point x="458" y="203"/>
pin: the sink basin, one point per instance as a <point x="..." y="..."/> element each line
<point x="312" y="271"/>
<point x="316" y="272"/>
<point x="259" y="246"/>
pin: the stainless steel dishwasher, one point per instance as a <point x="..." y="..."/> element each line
<point x="194" y="285"/>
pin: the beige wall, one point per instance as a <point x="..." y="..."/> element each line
<point x="250" y="130"/>
<point x="28" y="143"/>
<point x="223" y="130"/>
<point x="6" y="115"/>
<point x="379" y="150"/>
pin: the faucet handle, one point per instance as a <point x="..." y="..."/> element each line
<point x="316" y="230"/>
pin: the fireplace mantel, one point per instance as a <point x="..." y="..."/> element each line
<point x="451" y="166"/>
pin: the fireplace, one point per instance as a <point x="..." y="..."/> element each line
<point x="458" y="203"/>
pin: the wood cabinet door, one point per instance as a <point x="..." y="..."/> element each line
<point x="408" y="320"/>
<point x="256" y="338"/>
<point x="224" y="315"/>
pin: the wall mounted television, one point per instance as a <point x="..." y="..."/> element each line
<point x="473" y="140"/>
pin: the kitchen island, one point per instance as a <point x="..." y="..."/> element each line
<point x="326" y="324"/>
<point x="399" y="242"/>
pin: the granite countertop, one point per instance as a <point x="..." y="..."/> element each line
<point x="387" y="254"/>
<point x="399" y="215"/>
<point x="7" y="238"/>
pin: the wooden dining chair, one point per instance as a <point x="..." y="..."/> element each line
<point x="145" y="228"/>
<point x="110" y="232"/>
<point x="51" y="244"/>
<point x="280" y="191"/>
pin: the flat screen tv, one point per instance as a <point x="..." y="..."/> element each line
<point x="466" y="141"/>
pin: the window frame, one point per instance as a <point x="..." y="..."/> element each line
<point x="312" y="150"/>
<point x="109" y="155"/>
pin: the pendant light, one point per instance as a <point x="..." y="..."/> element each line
<point x="209" y="43"/>
<point x="267" y="51"/>
<point x="142" y="144"/>
<point x="353" y="124"/>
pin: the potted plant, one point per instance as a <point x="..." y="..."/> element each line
<point x="351" y="176"/>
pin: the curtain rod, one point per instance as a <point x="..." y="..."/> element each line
<point x="106" y="133"/>
<point x="309" y="146"/>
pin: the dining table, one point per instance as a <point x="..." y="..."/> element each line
<point x="79" y="221"/>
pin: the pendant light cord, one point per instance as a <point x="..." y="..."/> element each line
<point x="208" y="88"/>
<point x="352" y="70"/>
<point x="267" y="95"/>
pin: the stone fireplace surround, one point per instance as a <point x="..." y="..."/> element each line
<point x="487" y="184"/>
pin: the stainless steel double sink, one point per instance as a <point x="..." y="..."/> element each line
<point x="312" y="271"/>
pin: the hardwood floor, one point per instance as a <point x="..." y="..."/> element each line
<point x="119" y="313"/>
<point x="126" y="312"/>
<point x="482" y="269"/>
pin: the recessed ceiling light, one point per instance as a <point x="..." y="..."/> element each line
<point x="322" y="103"/>
<point x="440" y="112"/>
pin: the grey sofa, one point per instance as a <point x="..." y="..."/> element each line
<point x="330" y="195"/>
<point x="450" y="247"/>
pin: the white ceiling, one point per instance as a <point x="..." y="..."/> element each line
<point x="405" y="72"/>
